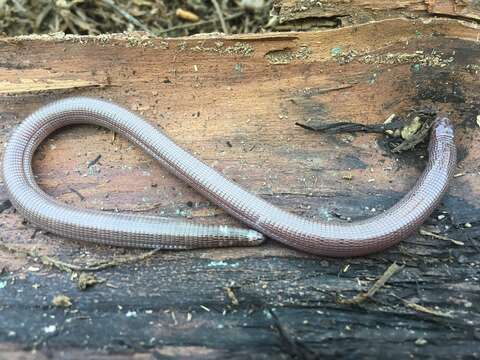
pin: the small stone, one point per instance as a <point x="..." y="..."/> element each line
<point x="86" y="280"/>
<point x="62" y="301"/>
<point x="420" y="342"/>
<point x="131" y="314"/>
<point x="50" y="329"/>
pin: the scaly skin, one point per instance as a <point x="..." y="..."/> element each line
<point x="322" y="238"/>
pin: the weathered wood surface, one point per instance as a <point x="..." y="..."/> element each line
<point x="234" y="101"/>
<point x="308" y="15"/>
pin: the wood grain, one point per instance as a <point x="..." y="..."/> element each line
<point x="234" y="102"/>
<point x="308" y="15"/>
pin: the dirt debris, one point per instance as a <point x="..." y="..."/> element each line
<point x="155" y="17"/>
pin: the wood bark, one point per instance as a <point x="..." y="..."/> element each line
<point x="308" y="15"/>
<point x="234" y="101"/>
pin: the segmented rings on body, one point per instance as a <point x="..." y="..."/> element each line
<point x="133" y="230"/>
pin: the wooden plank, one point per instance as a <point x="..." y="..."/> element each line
<point x="308" y="15"/>
<point x="468" y="9"/>
<point x="234" y="101"/>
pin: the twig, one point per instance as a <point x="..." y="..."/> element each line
<point x="94" y="161"/>
<point x="220" y="16"/>
<point x="76" y="192"/>
<point x="197" y="24"/>
<point x="100" y="265"/>
<point x="246" y="24"/>
<point x="424" y="309"/>
<point x="19" y="6"/>
<point x="360" y="298"/>
<point x="347" y="127"/>
<point x="440" y="237"/>
<point x="67" y="267"/>
<point x="127" y="16"/>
